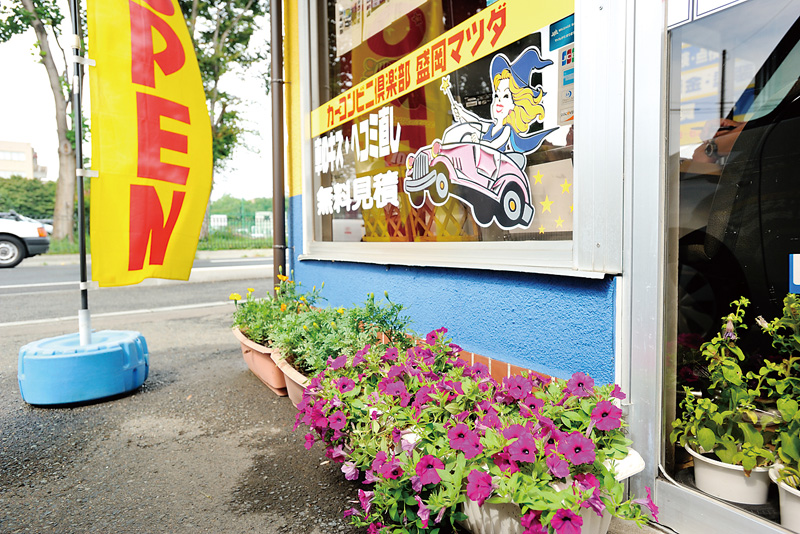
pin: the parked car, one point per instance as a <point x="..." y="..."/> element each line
<point x="20" y="238"/>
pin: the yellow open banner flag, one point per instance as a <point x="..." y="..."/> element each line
<point x="151" y="142"/>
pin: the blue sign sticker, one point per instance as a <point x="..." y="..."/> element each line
<point x="794" y="273"/>
<point x="562" y="32"/>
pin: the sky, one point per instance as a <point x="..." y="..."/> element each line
<point x="27" y="115"/>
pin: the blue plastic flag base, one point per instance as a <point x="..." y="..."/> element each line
<point x="58" y="370"/>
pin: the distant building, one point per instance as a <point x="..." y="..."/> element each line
<point x="19" y="159"/>
<point x="219" y="221"/>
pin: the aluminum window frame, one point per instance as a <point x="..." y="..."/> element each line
<point x="596" y="247"/>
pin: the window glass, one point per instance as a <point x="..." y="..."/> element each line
<point x="733" y="191"/>
<point x="408" y="148"/>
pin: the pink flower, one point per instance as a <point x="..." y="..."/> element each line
<point x="479" y="371"/>
<point x="464" y="439"/>
<point x="392" y="469"/>
<point x="514" y="431"/>
<point x="567" y="522"/>
<point x="580" y="385"/>
<point x="374" y="528"/>
<point x="336" y="454"/>
<point x="424" y="513"/>
<point x="479" y="486"/>
<point x="606" y="416"/>
<point x="365" y="498"/>
<point x="426" y="469"/>
<point x="431" y="338"/>
<point x="380" y="459"/>
<point x="345" y="384"/>
<point x="337" y="420"/>
<point x="531" y="523"/>
<point x="518" y="387"/>
<point x="558" y="468"/>
<point x="350" y="470"/>
<point x="358" y="359"/>
<point x="501" y="460"/>
<point x="617" y="393"/>
<point x="648" y="502"/>
<point x="586" y="481"/>
<point x="523" y="449"/>
<point x="391" y="354"/>
<point x="349" y="512"/>
<point x="338" y="363"/>
<point x="309" y="441"/>
<point x="533" y="403"/>
<point x="577" y="448"/>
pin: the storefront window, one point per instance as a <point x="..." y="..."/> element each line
<point x="443" y="120"/>
<point x="733" y="191"/>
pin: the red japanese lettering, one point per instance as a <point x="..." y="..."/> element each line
<point x="497" y="22"/>
<point x="423" y="66"/>
<point x="439" y="56"/>
<point x="147" y="225"/>
<point x="351" y="107"/>
<point x="458" y="39"/>
<point x="369" y="85"/>
<point x="404" y="76"/>
<point x="330" y="115"/>
<point x="477" y="32"/>
<point x="152" y="138"/>
<point x="143" y="55"/>
<point x="391" y="84"/>
<point x="358" y="94"/>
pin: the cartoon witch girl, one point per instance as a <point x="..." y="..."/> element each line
<point x="515" y="107"/>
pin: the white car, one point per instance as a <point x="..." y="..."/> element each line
<point x="20" y="238"/>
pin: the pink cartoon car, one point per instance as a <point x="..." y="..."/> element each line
<point x="491" y="182"/>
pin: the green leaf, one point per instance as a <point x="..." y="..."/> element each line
<point x="706" y="438"/>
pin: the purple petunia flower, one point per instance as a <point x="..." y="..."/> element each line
<point x="617" y="393"/>
<point x="479" y="371"/>
<point x="479" y="486"/>
<point x="423" y="513"/>
<point x="337" y="363"/>
<point x="426" y="469"/>
<point x="392" y="469"/>
<point x="380" y="459"/>
<point x="390" y="355"/>
<point x="416" y="483"/>
<point x="337" y="420"/>
<point x="369" y="477"/>
<point x="534" y="403"/>
<point x="586" y="481"/>
<point x="606" y="416"/>
<point x="464" y="439"/>
<point x="501" y="460"/>
<point x="349" y="512"/>
<point x="345" y="384"/>
<point x="558" y="468"/>
<point x="309" y="441"/>
<point x="518" y="387"/>
<point x="523" y="449"/>
<point x="577" y="448"/>
<point x="531" y="523"/>
<point x="374" y="528"/>
<point x="514" y="431"/>
<point x="336" y="453"/>
<point x="566" y="522"/>
<point x="580" y="385"/>
<point x="365" y="498"/>
<point x="648" y="502"/>
<point x="431" y="338"/>
<point x="350" y="470"/>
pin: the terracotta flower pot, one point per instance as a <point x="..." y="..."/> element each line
<point x="296" y="382"/>
<point x="258" y="360"/>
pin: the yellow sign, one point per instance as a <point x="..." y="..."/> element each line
<point x="151" y="142"/>
<point x="496" y="26"/>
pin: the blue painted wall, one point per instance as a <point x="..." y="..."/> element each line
<point x="553" y="324"/>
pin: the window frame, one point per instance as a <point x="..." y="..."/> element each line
<point x="596" y="247"/>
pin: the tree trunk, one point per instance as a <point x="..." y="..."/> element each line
<point x="65" y="187"/>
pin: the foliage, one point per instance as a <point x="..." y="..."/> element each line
<point x="780" y="381"/>
<point x="430" y="431"/>
<point x="221" y="31"/>
<point x="31" y="197"/>
<point x="729" y="422"/>
<point x="236" y="207"/>
<point x="312" y="339"/>
<point x="258" y="319"/>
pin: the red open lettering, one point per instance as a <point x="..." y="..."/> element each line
<point x="144" y="56"/>
<point x="147" y="225"/>
<point x="149" y="110"/>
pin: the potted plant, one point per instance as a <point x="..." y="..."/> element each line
<point x="727" y="432"/>
<point x="256" y="322"/>
<point x="780" y="381"/>
<point x="310" y="341"/>
<point x="434" y="435"/>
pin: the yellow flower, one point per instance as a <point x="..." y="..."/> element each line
<point x="305" y="327"/>
<point x="282" y="278"/>
<point x="235" y="296"/>
<point x="250" y="289"/>
<point x="283" y="307"/>
<point x="303" y="299"/>
<point x="333" y="324"/>
<point x="316" y="325"/>
<point x="340" y="310"/>
<point x="277" y="289"/>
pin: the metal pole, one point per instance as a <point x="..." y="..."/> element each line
<point x="84" y="319"/>
<point x="276" y="86"/>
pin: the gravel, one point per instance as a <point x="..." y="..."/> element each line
<point x="203" y="446"/>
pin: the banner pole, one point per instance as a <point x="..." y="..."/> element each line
<point x="84" y="318"/>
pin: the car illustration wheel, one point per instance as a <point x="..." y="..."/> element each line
<point x="11" y="251"/>
<point x="417" y="199"/>
<point x="483" y="213"/>
<point x="512" y="204"/>
<point x="440" y="189"/>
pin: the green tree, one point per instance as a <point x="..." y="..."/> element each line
<point x="236" y="207"/>
<point x="44" y="17"/>
<point x="31" y="197"/>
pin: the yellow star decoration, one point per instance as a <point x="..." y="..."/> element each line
<point x="559" y="222"/>
<point x="537" y="178"/>
<point x="445" y="84"/>
<point x="541" y="229"/>
<point x="571" y="207"/>
<point x="565" y="187"/>
<point x="546" y="203"/>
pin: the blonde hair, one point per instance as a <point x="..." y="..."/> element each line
<point x="527" y="107"/>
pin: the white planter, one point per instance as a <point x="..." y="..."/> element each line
<point x="503" y="518"/>
<point x="790" y="502"/>
<point x="728" y="481"/>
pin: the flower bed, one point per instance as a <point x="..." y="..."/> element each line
<point x="427" y="432"/>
